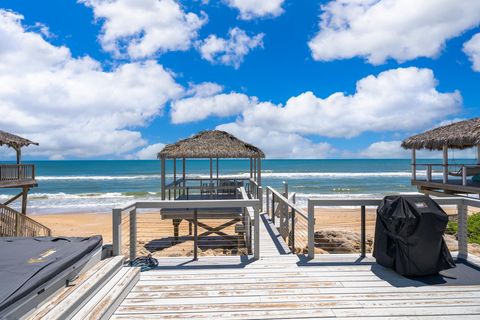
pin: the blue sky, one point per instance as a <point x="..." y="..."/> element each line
<point x="281" y="50"/>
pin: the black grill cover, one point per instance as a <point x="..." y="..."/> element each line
<point x="409" y="236"/>
<point x="28" y="263"/>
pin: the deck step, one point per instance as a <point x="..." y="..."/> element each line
<point x="110" y="296"/>
<point x="69" y="300"/>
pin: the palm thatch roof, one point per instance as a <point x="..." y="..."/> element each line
<point x="459" y="135"/>
<point x="211" y="144"/>
<point x="14" y="141"/>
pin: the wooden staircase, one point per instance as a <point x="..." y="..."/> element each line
<point x="16" y="224"/>
<point x="96" y="294"/>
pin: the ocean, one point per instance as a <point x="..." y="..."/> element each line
<point x="99" y="186"/>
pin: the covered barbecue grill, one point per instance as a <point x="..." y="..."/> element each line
<point x="409" y="236"/>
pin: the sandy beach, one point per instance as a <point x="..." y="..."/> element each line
<point x="330" y="223"/>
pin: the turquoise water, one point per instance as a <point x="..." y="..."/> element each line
<point x="101" y="185"/>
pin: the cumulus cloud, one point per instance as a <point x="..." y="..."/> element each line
<point x="230" y="51"/>
<point x="207" y="101"/>
<point x="143" y="28"/>
<point x="397" y="29"/>
<point x="250" y="9"/>
<point x="472" y="49"/>
<point x="385" y="150"/>
<point x="71" y="106"/>
<point x="149" y="152"/>
<point x="395" y="100"/>
<point x="277" y="144"/>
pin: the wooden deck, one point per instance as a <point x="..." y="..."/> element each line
<point x="286" y="286"/>
<point x="452" y="186"/>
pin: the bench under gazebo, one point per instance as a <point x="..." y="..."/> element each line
<point x="213" y="146"/>
<point x="455" y="177"/>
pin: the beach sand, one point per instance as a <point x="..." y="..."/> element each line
<point x="153" y="230"/>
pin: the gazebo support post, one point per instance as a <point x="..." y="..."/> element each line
<point x="210" y="185"/>
<point x="19" y="155"/>
<point x="174" y="178"/>
<point x="183" y="175"/>
<point x="445" y="164"/>
<point x="478" y="154"/>
<point x="414" y="164"/>
<point x="218" y="182"/>
<point x="259" y="171"/>
<point x="251" y="168"/>
<point x="162" y="164"/>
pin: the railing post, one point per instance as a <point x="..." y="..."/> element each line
<point x="311" y="230"/>
<point x="462" y="231"/>
<point x="256" y="231"/>
<point x="195" y="235"/>
<point x="362" y="233"/>
<point x="273" y="208"/>
<point x="117" y="231"/>
<point x="133" y="234"/>
<point x="260" y="197"/>
<point x="293" y="231"/>
<point x="267" y="201"/>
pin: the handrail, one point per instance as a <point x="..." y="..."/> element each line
<point x="288" y="224"/>
<point x="193" y="205"/>
<point x="461" y="203"/>
<point x="16" y="224"/>
<point x="288" y="203"/>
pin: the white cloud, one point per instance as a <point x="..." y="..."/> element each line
<point x="208" y="101"/>
<point x="279" y="145"/>
<point x="229" y="51"/>
<point x="395" y="100"/>
<point x="385" y="150"/>
<point x="71" y="106"/>
<point x="149" y="152"/>
<point x="143" y="28"/>
<point x="472" y="49"/>
<point x="398" y="29"/>
<point x="250" y="9"/>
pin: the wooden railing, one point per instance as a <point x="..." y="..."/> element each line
<point x="203" y="186"/>
<point x="16" y="172"/>
<point x="126" y="229"/>
<point x="291" y="220"/>
<point x="461" y="203"/>
<point x="15" y="224"/>
<point x="461" y="171"/>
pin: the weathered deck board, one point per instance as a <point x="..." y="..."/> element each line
<point x="286" y="287"/>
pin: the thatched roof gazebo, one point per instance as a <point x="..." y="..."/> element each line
<point x="15" y="142"/>
<point x="458" y="135"/>
<point x="214" y="144"/>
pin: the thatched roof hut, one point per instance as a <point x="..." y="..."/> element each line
<point x="14" y="141"/>
<point x="211" y="144"/>
<point x="214" y="144"/>
<point x="459" y="135"/>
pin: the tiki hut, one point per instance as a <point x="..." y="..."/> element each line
<point x="214" y="144"/>
<point x="459" y="135"/>
<point x="14" y="142"/>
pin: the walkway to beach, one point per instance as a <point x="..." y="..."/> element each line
<point x="286" y="286"/>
